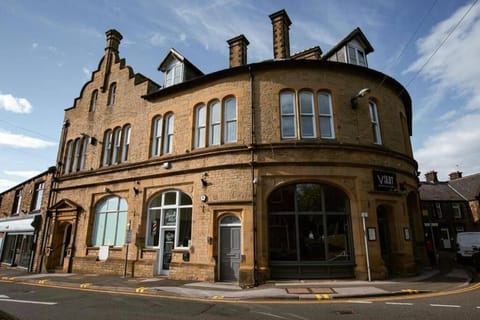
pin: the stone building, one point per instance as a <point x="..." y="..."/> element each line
<point x="449" y="207"/>
<point x="259" y="171"/>
<point x="23" y="216"/>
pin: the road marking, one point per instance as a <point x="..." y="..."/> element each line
<point x="270" y="315"/>
<point x="400" y="303"/>
<point x="322" y="296"/>
<point x="445" y="305"/>
<point x="85" y="285"/>
<point x="218" y="297"/>
<point x="359" y="301"/>
<point x="43" y="281"/>
<point x="140" y="290"/>
<point x="411" y="291"/>
<point x="3" y="296"/>
<point x="28" y="301"/>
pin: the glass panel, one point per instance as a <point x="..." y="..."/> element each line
<point x="282" y="200"/>
<point x="156" y="202"/>
<point x="309" y="197"/>
<point x="311" y="237"/>
<point x="230" y="220"/>
<point x="287" y="104"/>
<point x="230" y="109"/>
<point x="306" y="102"/>
<point x="168" y="244"/>
<point x="185" y="199"/>
<point x="335" y="200"/>
<point x="153" y="227"/>
<point x="337" y="228"/>
<point x="231" y="134"/>
<point x="185" y="232"/>
<point x="281" y="235"/>
<point x="170" y="217"/>
<point x="110" y="229"/>
<point x="307" y="125"/>
<point x="324" y="103"/>
<point x="123" y="205"/>
<point x="112" y="204"/>
<point x="98" y="229"/>
<point x="170" y="198"/>
<point x="325" y="127"/>
<point x="121" y="229"/>
<point x="288" y="127"/>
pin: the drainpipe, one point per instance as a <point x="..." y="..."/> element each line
<point x="253" y="179"/>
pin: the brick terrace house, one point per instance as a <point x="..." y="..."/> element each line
<point x="23" y="215"/>
<point x="449" y="207"/>
<point x="258" y="171"/>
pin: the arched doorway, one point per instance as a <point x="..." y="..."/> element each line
<point x="229" y="248"/>
<point x="384" y="236"/>
<point x="309" y="232"/>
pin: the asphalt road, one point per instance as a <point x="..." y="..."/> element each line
<point x="36" y="302"/>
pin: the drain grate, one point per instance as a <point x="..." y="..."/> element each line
<point x="344" y="312"/>
<point x="315" y="290"/>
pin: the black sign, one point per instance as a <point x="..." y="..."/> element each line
<point x="384" y="181"/>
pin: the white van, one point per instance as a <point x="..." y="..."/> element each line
<point x="468" y="243"/>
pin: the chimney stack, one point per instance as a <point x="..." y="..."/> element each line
<point x="455" y="175"/>
<point x="113" y="40"/>
<point x="238" y="51"/>
<point x="431" y="177"/>
<point x="281" y="40"/>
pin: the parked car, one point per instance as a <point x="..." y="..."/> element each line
<point x="468" y="247"/>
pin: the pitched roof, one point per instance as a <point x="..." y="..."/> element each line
<point x="176" y="55"/>
<point x="468" y="187"/>
<point x="438" y="192"/>
<point x="355" y="34"/>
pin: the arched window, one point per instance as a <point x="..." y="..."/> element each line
<point x="200" y="126"/>
<point x="156" y="136"/>
<point x="117" y="136"/>
<point x="76" y="157"/>
<point x="377" y="137"/>
<point x="110" y="222"/>
<point x="287" y="113"/>
<point x="172" y="211"/>
<point x="68" y="157"/>
<point x="125" y="142"/>
<point x="307" y="115"/>
<point x="112" y="93"/>
<point x="230" y="120"/>
<point x="107" y="148"/>
<point x="215" y="123"/>
<point x="325" y="113"/>
<point x="93" y="101"/>
<point x="168" y="143"/>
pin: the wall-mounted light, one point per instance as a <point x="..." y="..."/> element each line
<point x="107" y="190"/>
<point x="204" y="179"/>
<point x="166" y="165"/>
<point x="362" y="93"/>
<point x="136" y="191"/>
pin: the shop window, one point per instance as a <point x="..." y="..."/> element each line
<point x="169" y="211"/>
<point x="110" y="222"/>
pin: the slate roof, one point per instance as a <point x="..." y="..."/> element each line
<point x="468" y="186"/>
<point x="440" y="191"/>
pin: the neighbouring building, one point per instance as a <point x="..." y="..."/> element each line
<point x="269" y="170"/>
<point x="449" y="207"/>
<point x="23" y="214"/>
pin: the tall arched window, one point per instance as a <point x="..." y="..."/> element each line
<point x="200" y="126"/>
<point x="112" y="93"/>
<point x="68" y="157"/>
<point x="230" y="120"/>
<point x="107" y="148"/>
<point x="117" y="136"/>
<point x="76" y="156"/>
<point x="325" y="113"/>
<point x="172" y="211"/>
<point x="83" y="154"/>
<point x="125" y="142"/>
<point x="168" y="143"/>
<point x="110" y="222"/>
<point x="287" y="113"/>
<point x="93" y="101"/>
<point x="156" y="136"/>
<point x="377" y="137"/>
<point x="215" y="123"/>
<point x="307" y="115"/>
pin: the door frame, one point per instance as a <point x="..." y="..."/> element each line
<point x="237" y="224"/>
<point x="161" y="243"/>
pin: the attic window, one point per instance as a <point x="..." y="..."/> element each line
<point x="174" y="74"/>
<point x="356" y="55"/>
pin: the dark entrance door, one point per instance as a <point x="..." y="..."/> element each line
<point x="230" y="249"/>
<point x="384" y="236"/>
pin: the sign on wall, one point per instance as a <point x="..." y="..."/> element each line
<point x="384" y="181"/>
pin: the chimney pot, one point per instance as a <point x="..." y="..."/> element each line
<point x="455" y="175"/>
<point x="281" y="39"/>
<point x="113" y="40"/>
<point x="431" y="177"/>
<point x="238" y="51"/>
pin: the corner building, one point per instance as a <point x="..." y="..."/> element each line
<point x="259" y="171"/>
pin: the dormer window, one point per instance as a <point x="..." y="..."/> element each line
<point x="174" y="74"/>
<point x="356" y="55"/>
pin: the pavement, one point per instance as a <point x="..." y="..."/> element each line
<point x="447" y="276"/>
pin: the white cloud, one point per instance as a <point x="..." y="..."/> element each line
<point x="454" y="67"/>
<point x="86" y="72"/>
<point x="7" y="184"/>
<point x="14" y="104"/>
<point x="448" y="116"/>
<point x="20" y="141"/>
<point x="22" y="174"/>
<point x="34" y="45"/>
<point x="456" y="144"/>
<point x="158" y="40"/>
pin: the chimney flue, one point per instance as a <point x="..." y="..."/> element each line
<point x="431" y="177"/>
<point x="281" y="39"/>
<point x="238" y="51"/>
<point x="455" y="175"/>
<point x="113" y="40"/>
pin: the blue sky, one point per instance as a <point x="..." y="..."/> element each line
<point x="51" y="47"/>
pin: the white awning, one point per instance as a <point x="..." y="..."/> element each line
<point x="17" y="224"/>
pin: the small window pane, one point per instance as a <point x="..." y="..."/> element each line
<point x="185" y="233"/>
<point x="170" y="198"/>
<point x="185" y="199"/>
<point x="170" y="217"/>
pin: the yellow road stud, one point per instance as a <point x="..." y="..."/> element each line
<point x="85" y="285"/>
<point x="322" y="297"/>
